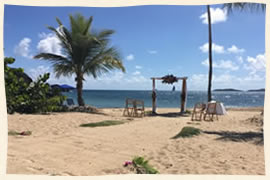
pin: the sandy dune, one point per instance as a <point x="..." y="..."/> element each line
<point x="58" y="146"/>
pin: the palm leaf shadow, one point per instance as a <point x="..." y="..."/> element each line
<point x="256" y="137"/>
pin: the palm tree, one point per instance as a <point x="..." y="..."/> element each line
<point x="210" y="54"/>
<point x="230" y="7"/>
<point x="244" y="6"/>
<point x="84" y="52"/>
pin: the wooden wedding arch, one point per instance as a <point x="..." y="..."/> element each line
<point x="183" y="94"/>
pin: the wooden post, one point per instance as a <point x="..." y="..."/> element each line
<point x="184" y="96"/>
<point x="153" y="97"/>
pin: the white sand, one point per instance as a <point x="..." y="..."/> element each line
<point x="58" y="146"/>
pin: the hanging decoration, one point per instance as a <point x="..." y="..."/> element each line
<point x="169" y="79"/>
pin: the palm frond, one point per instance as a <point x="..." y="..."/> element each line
<point x="51" y="57"/>
<point x="104" y="61"/>
<point x="105" y="33"/>
<point x="252" y="7"/>
<point x="63" y="70"/>
<point x="85" y="51"/>
<point x="59" y="22"/>
<point x="88" y="25"/>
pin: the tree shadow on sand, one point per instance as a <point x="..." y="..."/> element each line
<point x="170" y="114"/>
<point x="255" y="137"/>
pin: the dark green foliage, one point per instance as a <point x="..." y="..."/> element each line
<point x="251" y="7"/>
<point x="24" y="96"/>
<point x="187" y="132"/>
<point x="188" y="111"/>
<point x="148" y="113"/>
<point x="85" y="52"/>
<point x="142" y="166"/>
<point x="102" y="123"/>
<point x="23" y="133"/>
<point x="169" y="79"/>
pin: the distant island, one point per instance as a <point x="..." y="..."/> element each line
<point x="227" y="89"/>
<point x="237" y="90"/>
<point x="257" y="90"/>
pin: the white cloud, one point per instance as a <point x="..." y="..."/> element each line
<point x="42" y="35"/>
<point x="118" y="80"/>
<point x="257" y="64"/>
<point x="254" y="77"/>
<point x="23" y="48"/>
<point x="203" y="78"/>
<point x="130" y="57"/>
<point x="227" y="65"/>
<point x="152" y="52"/>
<point x="136" y="73"/>
<point x="40" y="70"/>
<point x="222" y="64"/>
<point x="110" y="78"/>
<point x="49" y="43"/>
<point x="235" y="49"/>
<point x="198" y="82"/>
<point x="226" y="80"/>
<point x="138" y="79"/>
<point x="138" y="67"/>
<point x="240" y="59"/>
<point x="215" y="48"/>
<point x="217" y="15"/>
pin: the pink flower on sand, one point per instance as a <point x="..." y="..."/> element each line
<point x="127" y="163"/>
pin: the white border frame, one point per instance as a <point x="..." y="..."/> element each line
<point x="120" y="3"/>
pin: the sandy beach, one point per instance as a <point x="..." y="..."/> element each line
<point x="231" y="145"/>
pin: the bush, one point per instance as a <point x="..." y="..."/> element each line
<point x="102" y="123"/>
<point x="142" y="166"/>
<point x="188" y="132"/>
<point x="26" y="96"/>
<point x="23" y="133"/>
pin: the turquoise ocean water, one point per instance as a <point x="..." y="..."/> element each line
<point x="170" y="99"/>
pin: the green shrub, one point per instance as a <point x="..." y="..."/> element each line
<point x="142" y="166"/>
<point x="26" y="96"/>
<point x="188" y="111"/>
<point x="188" y="132"/>
<point x="23" y="133"/>
<point x="148" y="113"/>
<point x="102" y="123"/>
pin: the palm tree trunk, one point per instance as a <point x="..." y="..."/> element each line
<point x="210" y="54"/>
<point x="79" y="89"/>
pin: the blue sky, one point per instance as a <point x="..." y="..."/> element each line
<point x="153" y="41"/>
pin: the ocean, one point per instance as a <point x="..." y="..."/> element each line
<point x="168" y="99"/>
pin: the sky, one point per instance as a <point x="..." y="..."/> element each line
<point x="153" y="41"/>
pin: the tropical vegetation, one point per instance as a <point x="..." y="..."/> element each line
<point x="84" y="52"/>
<point x="26" y="96"/>
<point x="140" y="166"/>
<point x="102" y="123"/>
<point x="187" y="131"/>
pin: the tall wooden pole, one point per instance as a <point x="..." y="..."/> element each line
<point x="184" y="96"/>
<point x="153" y="97"/>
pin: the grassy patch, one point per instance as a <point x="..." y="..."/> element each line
<point x="187" y="132"/>
<point x="148" y="113"/>
<point x="188" y="111"/>
<point x="23" y="133"/>
<point x="102" y="123"/>
<point x="143" y="167"/>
